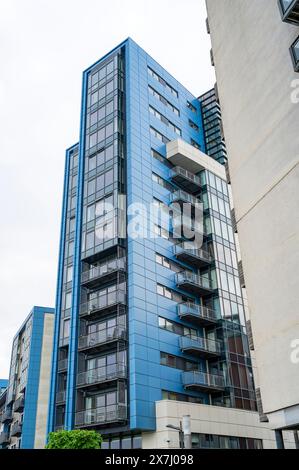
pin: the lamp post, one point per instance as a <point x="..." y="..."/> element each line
<point x="184" y="430"/>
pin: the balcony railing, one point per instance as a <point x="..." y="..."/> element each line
<point x="16" y="429"/>
<point x="102" y="415"/>
<point x="102" y="375"/>
<point x="194" y="283"/>
<point x="200" y="381"/>
<point x="185" y="179"/>
<point x="99" y="338"/>
<point x="61" y="396"/>
<point x="295" y="54"/>
<point x="195" y="256"/>
<point x="62" y="364"/>
<point x="197" y="313"/>
<point x="105" y="271"/>
<point x="182" y="196"/>
<point x="6" y="416"/>
<point x="19" y="404"/>
<point x="103" y="302"/>
<point x="289" y="10"/>
<point x="202" y="347"/>
<point x="4" y="438"/>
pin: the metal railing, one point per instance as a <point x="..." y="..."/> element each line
<point x="19" y="404"/>
<point x="192" y="278"/>
<point x="200" y="344"/>
<point x="191" y="309"/>
<point x="4" y="438"/>
<point x="102" y="374"/>
<point x="179" y="171"/>
<point x="107" y="335"/>
<point x="6" y="416"/>
<point x="62" y="364"/>
<point x="184" y="247"/>
<point x="105" y="414"/>
<point x="181" y="195"/>
<point x="103" y="269"/>
<point x="103" y="301"/>
<point x="16" y="429"/>
<point x="61" y="396"/>
<point x="198" y="378"/>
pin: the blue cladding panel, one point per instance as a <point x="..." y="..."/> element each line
<point x="147" y="377"/>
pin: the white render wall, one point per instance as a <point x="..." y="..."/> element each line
<point x="207" y="419"/>
<point x="44" y="383"/>
<point x="255" y="76"/>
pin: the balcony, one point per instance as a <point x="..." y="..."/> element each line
<point x="202" y="382"/>
<point x="19" y="404"/>
<point x="197" y="314"/>
<point x="289" y="11"/>
<point x="62" y="365"/>
<point x="6" y="416"/>
<point x="103" y="415"/>
<point x="4" y="438"/>
<point x="103" y="272"/>
<point x="182" y="196"/>
<point x="16" y="429"/>
<point x="107" y="301"/>
<point x="194" y="284"/>
<point x="185" y="179"/>
<point x="94" y="341"/>
<point x="101" y="375"/>
<point x="201" y="347"/>
<point x="60" y="397"/>
<point x="195" y="256"/>
<point x="295" y="54"/>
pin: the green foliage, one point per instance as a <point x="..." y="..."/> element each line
<point x="79" y="439"/>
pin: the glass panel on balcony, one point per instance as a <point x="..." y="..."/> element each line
<point x="102" y="415"/>
<point x="101" y="375"/>
<point x="62" y="364"/>
<point x="295" y="54"/>
<point x="19" y="404"/>
<point x="182" y="196"/>
<point x="202" y="347"/>
<point x="6" y="416"/>
<point x="196" y="256"/>
<point x="105" y="300"/>
<point x="16" y="429"/>
<point x="185" y="179"/>
<point x="60" y="396"/>
<point x="4" y="438"/>
<point x="290" y="11"/>
<point x="105" y="271"/>
<point x="104" y="336"/>
<point x="194" y="283"/>
<point x="200" y="381"/>
<point x="197" y="313"/>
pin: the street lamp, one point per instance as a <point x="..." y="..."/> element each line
<point x="184" y="430"/>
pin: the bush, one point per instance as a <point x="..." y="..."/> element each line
<point x="79" y="439"/>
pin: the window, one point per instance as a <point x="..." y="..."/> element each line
<point x="170" y="294"/>
<point x="168" y="263"/>
<point x="72" y="224"/>
<point x="193" y="125"/>
<point x="163" y="119"/>
<point x="159" y="136"/>
<point x="163" y="100"/>
<point x="68" y="300"/>
<point x="161" y="232"/>
<point x="162" y="182"/>
<point x="176" y="328"/>
<point x="66" y="328"/>
<point x="69" y="274"/>
<point x="176" y="362"/>
<point x="191" y="107"/>
<point x="161" y="80"/>
<point x="195" y="144"/>
<point x="160" y="158"/>
<point x="166" y="395"/>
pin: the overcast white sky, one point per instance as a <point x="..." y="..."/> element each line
<point x="44" y="47"/>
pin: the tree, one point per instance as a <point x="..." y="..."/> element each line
<point x="79" y="439"/>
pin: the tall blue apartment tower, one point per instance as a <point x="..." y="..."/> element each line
<point x="146" y="320"/>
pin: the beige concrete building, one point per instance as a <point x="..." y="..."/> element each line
<point x="24" y="418"/>
<point x="258" y="89"/>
